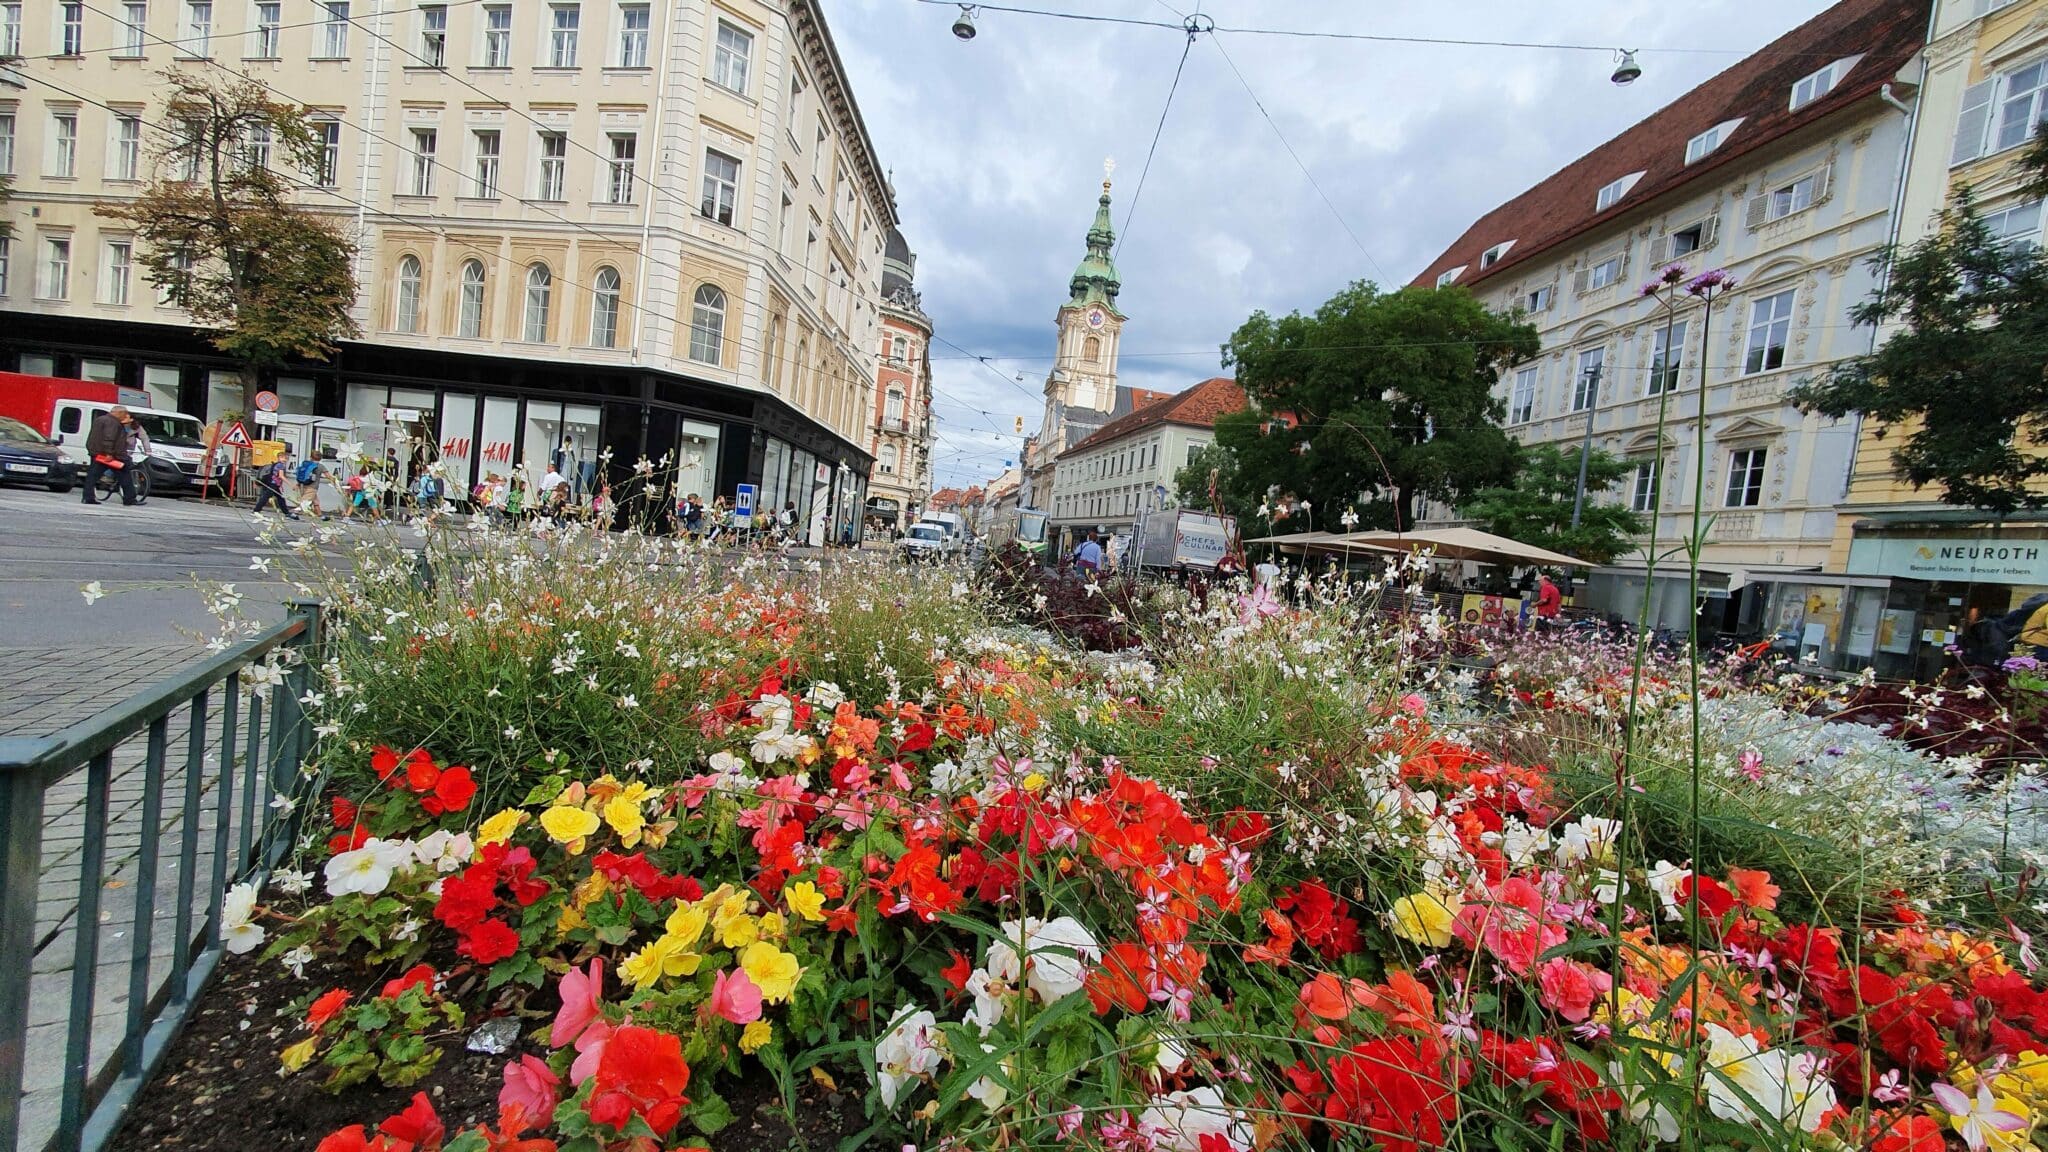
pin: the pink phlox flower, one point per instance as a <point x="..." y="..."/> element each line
<point x="1891" y="1088"/>
<point x="1178" y="998"/>
<point x="1069" y="1122"/>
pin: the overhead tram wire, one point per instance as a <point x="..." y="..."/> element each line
<point x="1194" y="26"/>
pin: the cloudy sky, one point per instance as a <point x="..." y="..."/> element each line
<point x="997" y="147"/>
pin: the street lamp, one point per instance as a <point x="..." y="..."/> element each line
<point x="1586" y="446"/>
<point x="1625" y="73"/>
<point x="963" y="27"/>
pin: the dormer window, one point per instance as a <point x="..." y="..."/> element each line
<point x="1491" y="256"/>
<point x="1449" y="276"/>
<point x="1610" y="195"/>
<point x="1819" y="84"/>
<point x="1700" y="146"/>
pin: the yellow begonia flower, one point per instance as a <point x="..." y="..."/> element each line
<point x="663" y="957"/>
<point x="772" y="970"/>
<point x="685" y="924"/>
<point x="755" y="1036"/>
<point x="623" y="813"/>
<point x="805" y="900"/>
<point x="568" y="826"/>
<point x="1034" y="781"/>
<point x="499" y="828"/>
<point x="773" y="926"/>
<point x="739" y="932"/>
<point x="1425" y="918"/>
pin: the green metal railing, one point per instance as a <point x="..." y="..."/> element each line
<point x="97" y="1087"/>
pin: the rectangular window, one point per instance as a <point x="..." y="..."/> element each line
<point x="1813" y="87"/>
<point x="1522" y="405"/>
<point x="54" y="283"/>
<point x="434" y="35"/>
<point x="64" y="144"/>
<point x="199" y="29"/>
<point x="256" y="147"/>
<point x="334" y="30"/>
<point x="497" y="35"/>
<point x="1794" y="197"/>
<point x="10" y="29"/>
<point x="1745" y="478"/>
<point x="554" y="165"/>
<point x="2018" y="226"/>
<point x="1643" y="497"/>
<point x="624" y="146"/>
<point x="127" y="147"/>
<point x="567" y="19"/>
<point x="6" y="143"/>
<point x="2020" y="105"/>
<point x="732" y="58"/>
<point x="1687" y="240"/>
<point x="1604" y="273"/>
<point x="6" y="263"/>
<point x="1697" y="148"/>
<point x="1664" y="360"/>
<point x="633" y="20"/>
<point x="423" y="141"/>
<point x="721" y="187"/>
<point x="1770" y="324"/>
<point x="71" y="38"/>
<point x="486" y="177"/>
<point x="1586" y="382"/>
<point x="327" y="173"/>
<point x="785" y="225"/>
<point x="1539" y="299"/>
<point x="268" y="16"/>
<point x="181" y="265"/>
<point x="134" y="26"/>
<point x="114" y="274"/>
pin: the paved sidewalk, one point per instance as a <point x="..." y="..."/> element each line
<point x="68" y="686"/>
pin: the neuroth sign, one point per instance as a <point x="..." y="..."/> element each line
<point x="1952" y="558"/>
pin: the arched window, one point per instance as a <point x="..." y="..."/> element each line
<point x="707" y="325"/>
<point x="470" y="322"/>
<point x="540" y="291"/>
<point x="888" y="460"/>
<point x="1091" y="351"/>
<point x="409" y="294"/>
<point x="604" y="309"/>
<point x="892" y="410"/>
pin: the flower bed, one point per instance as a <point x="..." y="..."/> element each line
<point x="675" y="841"/>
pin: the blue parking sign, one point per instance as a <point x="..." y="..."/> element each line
<point x="743" y="506"/>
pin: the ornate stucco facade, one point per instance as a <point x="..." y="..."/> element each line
<point x="900" y="437"/>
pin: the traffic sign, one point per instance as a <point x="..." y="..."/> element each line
<point x="266" y="401"/>
<point x="743" y="506"/>
<point x="237" y="436"/>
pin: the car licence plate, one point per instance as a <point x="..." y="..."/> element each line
<point x="31" y="469"/>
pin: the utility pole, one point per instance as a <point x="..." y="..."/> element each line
<point x="1586" y="446"/>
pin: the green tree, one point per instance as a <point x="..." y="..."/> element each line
<point x="1391" y="401"/>
<point x="1537" y="508"/>
<point x="1210" y="464"/>
<point x="223" y="237"/>
<point x="1964" y="375"/>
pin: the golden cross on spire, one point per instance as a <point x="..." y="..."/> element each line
<point x="1108" y="169"/>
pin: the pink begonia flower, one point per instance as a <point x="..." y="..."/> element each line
<point x="1569" y="988"/>
<point x="1980" y="1117"/>
<point x="735" y="996"/>
<point x="581" y="997"/>
<point x="1413" y="703"/>
<point x="533" y="1087"/>
<point x="589" y="1050"/>
<point x="698" y="788"/>
<point x="1516" y="925"/>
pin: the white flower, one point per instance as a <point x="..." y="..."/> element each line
<point x="1650" y="1115"/>
<point x="237" y="933"/>
<point x="1171" y="1055"/>
<point x="727" y="764"/>
<point x="778" y="744"/>
<point x="629" y="701"/>
<point x="1588" y="838"/>
<point x="827" y="695"/>
<point x="988" y="1090"/>
<point x="987" y="1011"/>
<point x="292" y="882"/>
<point x="1060" y="951"/>
<point x="1789" y="1088"/>
<point x="296" y="961"/>
<point x="259" y="563"/>
<point x="909" y="1050"/>
<point x="1664" y="880"/>
<point x="410" y="927"/>
<point x="444" y="851"/>
<point x="93" y="591"/>
<point x="1179" y="1120"/>
<point x="367" y="869"/>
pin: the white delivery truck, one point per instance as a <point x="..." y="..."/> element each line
<point x="1186" y="540"/>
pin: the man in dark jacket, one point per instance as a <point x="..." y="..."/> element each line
<point x="107" y="446"/>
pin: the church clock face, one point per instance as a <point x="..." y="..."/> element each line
<point x="1095" y="318"/>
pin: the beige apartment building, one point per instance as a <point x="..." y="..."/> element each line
<point x="900" y="437"/>
<point x="587" y="230"/>
<point x="1121" y="474"/>
<point x="1783" y="170"/>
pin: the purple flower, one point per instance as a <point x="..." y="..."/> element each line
<point x="1673" y="273"/>
<point x="2022" y="664"/>
<point x="1651" y="288"/>
<point x="1709" y="280"/>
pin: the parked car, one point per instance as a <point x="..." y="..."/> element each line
<point x="27" y="457"/>
<point x="63" y="410"/>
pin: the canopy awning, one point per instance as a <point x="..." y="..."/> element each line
<point x="1293" y="538"/>
<point x="1463" y="544"/>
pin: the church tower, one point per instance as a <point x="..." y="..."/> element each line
<point x="1083" y="376"/>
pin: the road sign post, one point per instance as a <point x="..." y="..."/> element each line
<point x="743" y="507"/>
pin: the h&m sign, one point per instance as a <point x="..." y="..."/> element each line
<point x="1951" y="558"/>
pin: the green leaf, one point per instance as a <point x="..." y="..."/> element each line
<point x="709" y="1113"/>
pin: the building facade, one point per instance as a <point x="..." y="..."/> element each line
<point x="587" y="232"/>
<point x="900" y="438"/>
<point x="1782" y="170"/>
<point x="1124" y="471"/>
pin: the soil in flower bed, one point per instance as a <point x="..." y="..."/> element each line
<point x="218" y="1089"/>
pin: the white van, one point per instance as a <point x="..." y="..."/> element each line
<point x="177" y="445"/>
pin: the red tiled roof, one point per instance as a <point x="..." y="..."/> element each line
<point x="1758" y="91"/>
<point x="1197" y="407"/>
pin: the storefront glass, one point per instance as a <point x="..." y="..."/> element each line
<point x="458" y="440"/>
<point x="500" y="433"/>
<point x="697" y="461"/>
<point x="774" y="475"/>
<point x="160" y="381"/>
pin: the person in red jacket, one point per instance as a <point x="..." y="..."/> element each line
<point x="1548" y="601"/>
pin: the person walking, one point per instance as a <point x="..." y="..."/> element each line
<point x="107" y="445"/>
<point x="1548" y="602"/>
<point x="270" y="485"/>
<point x="1088" y="555"/>
<point x="138" y="455"/>
<point x="307" y="477"/>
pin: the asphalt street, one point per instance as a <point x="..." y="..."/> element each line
<point x="151" y="560"/>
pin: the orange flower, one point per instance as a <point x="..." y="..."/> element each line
<point x="1119" y="981"/>
<point x="1324" y="997"/>
<point x="325" y="1008"/>
<point x="1753" y="888"/>
<point x="1279" y="943"/>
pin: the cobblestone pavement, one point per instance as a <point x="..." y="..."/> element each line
<point x="69" y="685"/>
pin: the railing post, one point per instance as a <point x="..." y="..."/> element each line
<point x="21" y="858"/>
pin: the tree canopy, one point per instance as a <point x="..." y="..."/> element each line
<point x="1375" y="401"/>
<point x="225" y="240"/>
<point x="1537" y="507"/>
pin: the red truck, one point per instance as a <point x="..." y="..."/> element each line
<point x="63" y="410"/>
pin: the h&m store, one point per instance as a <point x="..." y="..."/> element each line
<point x="486" y="417"/>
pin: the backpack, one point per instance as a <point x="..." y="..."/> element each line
<point x="306" y="472"/>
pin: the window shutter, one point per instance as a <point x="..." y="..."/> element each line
<point x="1753" y="215"/>
<point x="1974" y="122"/>
<point x="1823" y="183"/>
<point x="1660" y="250"/>
<point x="1710" y="230"/>
<point x="1580" y="279"/>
